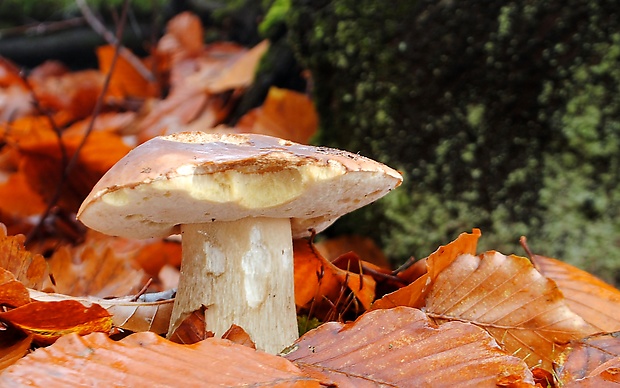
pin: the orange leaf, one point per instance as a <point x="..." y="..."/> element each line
<point x="46" y="321"/>
<point x="192" y="329"/>
<point x="285" y="114"/>
<point x="595" y="301"/>
<point x="12" y="292"/>
<point x="13" y="346"/>
<point x="587" y="360"/>
<point x="414" y="294"/>
<point x="317" y="279"/>
<point x="364" y="247"/>
<point x="126" y="81"/>
<point x="524" y="311"/>
<point x="18" y="199"/>
<point x="94" y="270"/>
<point x="42" y="163"/>
<point x="239" y="336"/>
<point x="145" y="359"/>
<point x="30" y="269"/>
<point x="402" y="347"/>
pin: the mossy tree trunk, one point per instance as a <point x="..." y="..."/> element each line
<point x="503" y="115"/>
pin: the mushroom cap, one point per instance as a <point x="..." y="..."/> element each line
<point x="197" y="177"/>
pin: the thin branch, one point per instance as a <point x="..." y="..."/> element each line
<point x="42" y="27"/>
<point x="98" y="105"/>
<point x="99" y="28"/>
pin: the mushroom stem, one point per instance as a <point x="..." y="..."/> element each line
<point x="242" y="272"/>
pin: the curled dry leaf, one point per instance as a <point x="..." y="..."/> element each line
<point x="126" y="81"/>
<point x="126" y="313"/>
<point x="364" y="247"/>
<point x="47" y="321"/>
<point x="402" y="347"/>
<point x="317" y="280"/>
<point x="30" y="269"/>
<point x="193" y="329"/>
<point x="147" y="360"/>
<point x="239" y="336"/>
<point x="414" y="294"/>
<point x="595" y="301"/>
<point x="588" y="358"/>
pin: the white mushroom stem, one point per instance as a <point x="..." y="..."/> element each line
<point x="242" y="272"/>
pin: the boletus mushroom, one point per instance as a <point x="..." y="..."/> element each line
<point x="238" y="200"/>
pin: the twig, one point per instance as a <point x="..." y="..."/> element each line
<point x="99" y="28"/>
<point x="98" y="105"/>
<point x="42" y="27"/>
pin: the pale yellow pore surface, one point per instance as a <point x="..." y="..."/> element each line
<point x="196" y="177"/>
<point x="246" y="280"/>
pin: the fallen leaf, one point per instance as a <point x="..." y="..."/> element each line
<point x="30" y="269"/>
<point x="18" y="199"/>
<point x="192" y="329"/>
<point x="12" y="292"/>
<point x="402" y="347"/>
<point x="364" y="247"/>
<point x="318" y="281"/>
<point x="145" y="359"/>
<point x="126" y="81"/>
<point x="414" y="294"/>
<point x="13" y="346"/>
<point x="285" y="114"/>
<point x="47" y="321"/>
<point x="585" y="356"/>
<point x="147" y="313"/>
<point x="239" y="336"/>
<point x="524" y="311"/>
<point x="595" y="301"/>
<point x="94" y="270"/>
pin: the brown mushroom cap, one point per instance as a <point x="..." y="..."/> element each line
<point x="196" y="177"/>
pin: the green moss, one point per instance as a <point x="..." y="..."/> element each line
<point x="497" y="122"/>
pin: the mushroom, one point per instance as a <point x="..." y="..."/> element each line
<point x="238" y="200"/>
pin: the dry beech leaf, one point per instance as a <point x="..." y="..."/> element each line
<point x="30" y="269"/>
<point x="192" y="329"/>
<point x="239" y="336"/>
<point x="18" y="199"/>
<point x="285" y="114"/>
<point x="413" y="295"/>
<point x="364" y="247"/>
<point x="126" y="81"/>
<point x="47" y="321"/>
<point x="13" y="346"/>
<point x="237" y="73"/>
<point x="12" y="292"/>
<point x="402" y="347"/>
<point x="524" y="311"/>
<point x="94" y="270"/>
<point x="584" y="359"/>
<point x="316" y="279"/>
<point x="42" y="163"/>
<point x="147" y="360"/>
<point x="595" y="301"/>
<point x="150" y="315"/>
<point x="183" y="38"/>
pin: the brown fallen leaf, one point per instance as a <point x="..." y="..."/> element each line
<point x="402" y="347"/>
<point x="126" y="81"/>
<point x="148" y="313"/>
<point x="30" y="269"/>
<point x="285" y="114"/>
<point x="239" y="336"/>
<point x="585" y="356"/>
<point x="192" y="329"/>
<point x="318" y="281"/>
<point x="595" y="301"/>
<point x="12" y="292"/>
<point x="13" y="346"/>
<point x="414" y="294"/>
<point x="47" y="321"/>
<point x="145" y="359"/>
<point x="94" y="269"/>
<point x="364" y="247"/>
<point x="524" y="311"/>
